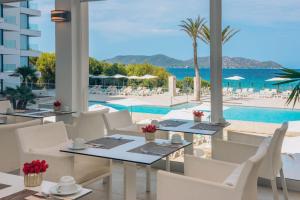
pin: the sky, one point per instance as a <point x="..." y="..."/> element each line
<point x="269" y="30"/>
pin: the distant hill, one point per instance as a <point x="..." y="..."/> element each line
<point x="165" y="61"/>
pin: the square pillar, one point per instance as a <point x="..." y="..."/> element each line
<point x="72" y="55"/>
<point x="216" y="61"/>
<point x="172" y="86"/>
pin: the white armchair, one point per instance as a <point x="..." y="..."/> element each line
<point x="89" y="125"/>
<point x="4" y="105"/>
<point x="45" y="141"/>
<point x="8" y="143"/>
<point x="212" y="179"/>
<point x="120" y="122"/>
<point x="239" y="147"/>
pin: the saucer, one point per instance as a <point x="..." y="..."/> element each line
<point x="53" y="190"/>
<point x="71" y="147"/>
<point x="177" y="142"/>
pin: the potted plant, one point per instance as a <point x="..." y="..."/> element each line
<point x="198" y="115"/>
<point x="149" y="132"/>
<point x="33" y="172"/>
<point x="57" y="105"/>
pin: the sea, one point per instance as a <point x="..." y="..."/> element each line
<point x="253" y="78"/>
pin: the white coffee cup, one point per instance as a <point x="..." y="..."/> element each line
<point x="79" y="143"/>
<point x="176" y="139"/>
<point x="66" y="184"/>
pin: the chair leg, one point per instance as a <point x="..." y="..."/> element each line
<point x="274" y="188"/>
<point x="283" y="184"/>
<point x="108" y="181"/>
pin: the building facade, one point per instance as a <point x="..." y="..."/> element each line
<point x="16" y="32"/>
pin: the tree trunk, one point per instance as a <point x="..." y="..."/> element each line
<point x="197" y="74"/>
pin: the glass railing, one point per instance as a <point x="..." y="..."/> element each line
<point x="33" y="27"/>
<point x="10" y="19"/>
<point x="9" y="67"/>
<point x="10" y="44"/>
<point x="33" y="47"/>
<point x="33" y="5"/>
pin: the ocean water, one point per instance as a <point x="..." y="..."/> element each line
<point x="255" y="78"/>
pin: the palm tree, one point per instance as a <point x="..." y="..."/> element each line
<point x="292" y="76"/>
<point x="27" y="74"/>
<point x="227" y="34"/>
<point x="192" y="27"/>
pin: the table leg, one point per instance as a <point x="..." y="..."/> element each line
<point x="129" y="181"/>
<point x="148" y="182"/>
<point x="168" y="166"/>
<point x="189" y="149"/>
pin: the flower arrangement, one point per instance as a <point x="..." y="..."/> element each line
<point x="36" y="166"/>
<point x="198" y="115"/>
<point x="33" y="172"/>
<point x="149" y="131"/>
<point x="57" y="105"/>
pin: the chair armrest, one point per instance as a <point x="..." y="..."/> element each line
<point x="245" y="138"/>
<point x="232" y="151"/>
<point x="207" y="169"/>
<point x="184" y="187"/>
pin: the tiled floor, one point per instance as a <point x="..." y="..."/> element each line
<point x="99" y="189"/>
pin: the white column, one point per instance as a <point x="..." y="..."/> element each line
<point x="72" y="55"/>
<point x="172" y="86"/>
<point x="216" y="61"/>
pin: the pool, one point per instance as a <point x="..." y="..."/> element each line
<point x="243" y="113"/>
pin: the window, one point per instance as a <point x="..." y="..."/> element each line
<point x="24" y="43"/>
<point x="24" y="23"/>
<point x="9" y="67"/>
<point x="24" y="61"/>
<point x="1" y="37"/>
<point x="25" y="4"/>
<point x="1" y="10"/>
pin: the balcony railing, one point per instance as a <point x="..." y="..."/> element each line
<point x="10" y="19"/>
<point x="10" y="44"/>
<point x="33" y="27"/>
<point x="33" y="47"/>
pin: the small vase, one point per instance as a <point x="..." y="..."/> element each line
<point x="149" y="137"/>
<point x="33" y="180"/>
<point x="197" y="119"/>
<point x="57" y="108"/>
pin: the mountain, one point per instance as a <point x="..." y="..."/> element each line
<point x="165" y="61"/>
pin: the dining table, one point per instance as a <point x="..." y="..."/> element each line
<point x="191" y="128"/>
<point x="12" y="188"/>
<point x="132" y="151"/>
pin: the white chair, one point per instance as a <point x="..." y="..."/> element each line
<point x="4" y="105"/>
<point x="45" y="141"/>
<point x="212" y="179"/>
<point x="121" y="123"/>
<point x="8" y="145"/>
<point x="89" y="125"/>
<point x="239" y="147"/>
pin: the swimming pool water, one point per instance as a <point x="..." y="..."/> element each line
<point x="243" y="113"/>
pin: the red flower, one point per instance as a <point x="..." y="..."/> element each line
<point x="198" y="113"/>
<point x="57" y="103"/>
<point x="149" y="129"/>
<point x="36" y="166"/>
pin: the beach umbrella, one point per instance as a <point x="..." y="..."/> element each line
<point x="148" y="76"/>
<point x="277" y="79"/>
<point x="134" y="77"/>
<point x="119" y="76"/>
<point x="235" y="78"/>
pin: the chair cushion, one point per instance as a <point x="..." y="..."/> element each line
<point x="233" y="178"/>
